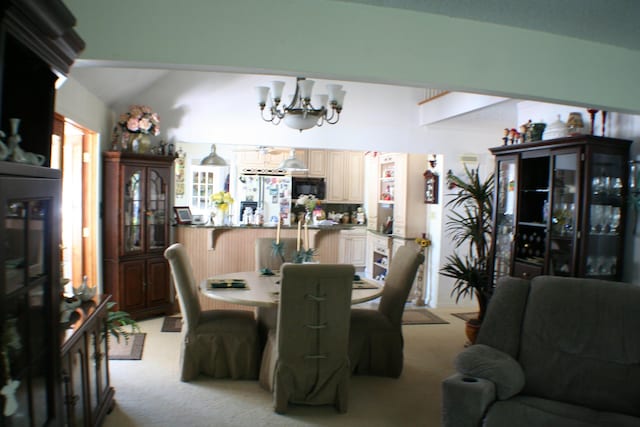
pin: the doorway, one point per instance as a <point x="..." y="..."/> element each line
<point x="74" y="150"/>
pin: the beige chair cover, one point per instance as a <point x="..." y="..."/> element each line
<point x="218" y="343"/>
<point x="375" y="341"/>
<point x="306" y="359"/>
<point x="265" y="258"/>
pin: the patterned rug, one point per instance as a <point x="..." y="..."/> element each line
<point x="466" y="316"/>
<point x="127" y="350"/>
<point x="421" y="316"/>
<point x="171" y="324"/>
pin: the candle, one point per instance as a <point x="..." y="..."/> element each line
<point x="278" y="230"/>
<point x="306" y="235"/>
<point x="298" y="239"/>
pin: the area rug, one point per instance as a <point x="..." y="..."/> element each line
<point x="466" y="316"/>
<point x="171" y="324"/>
<point x="127" y="350"/>
<point x="421" y="317"/>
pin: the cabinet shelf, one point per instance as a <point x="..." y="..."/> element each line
<point x="533" y="224"/>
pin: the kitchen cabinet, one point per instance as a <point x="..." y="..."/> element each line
<point x="379" y="248"/>
<point x="316" y="161"/>
<point x="137" y="190"/>
<point x="259" y="159"/>
<point x="400" y="208"/>
<point x="345" y="176"/>
<point x="88" y="395"/>
<point x="352" y="247"/>
<point x="560" y="208"/>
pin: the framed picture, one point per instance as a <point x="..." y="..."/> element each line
<point x="183" y="214"/>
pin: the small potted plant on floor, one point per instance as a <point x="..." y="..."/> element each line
<point x="469" y="224"/>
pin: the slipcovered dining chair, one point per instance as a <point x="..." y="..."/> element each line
<point x="265" y="256"/>
<point x="306" y="358"/>
<point x="218" y="343"/>
<point x="375" y="340"/>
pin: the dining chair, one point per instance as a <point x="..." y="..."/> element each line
<point x="265" y="256"/>
<point x="219" y="343"/>
<point x="375" y="338"/>
<point x="306" y="358"/>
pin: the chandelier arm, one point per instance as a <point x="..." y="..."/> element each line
<point x="265" y="118"/>
<point x="330" y="119"/>
<point x="296" y="94"/>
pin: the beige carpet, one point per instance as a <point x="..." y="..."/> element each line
<point x="149" y="393"/>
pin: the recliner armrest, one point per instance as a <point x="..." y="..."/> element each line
<point x="482" y="361"/>
<point x="465" y="400"/>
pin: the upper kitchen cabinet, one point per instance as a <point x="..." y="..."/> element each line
<point x="37" y="46"/>
<point x="136" y="199"/>
<point x="559" y="208"/>
<point x="261" y="158"/>
<point x="345" y="176"/>
<point x="316" y="161"/>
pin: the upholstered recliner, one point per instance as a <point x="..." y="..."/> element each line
<point x="306" y="358"/>
<point x="551" y="352"/>
<point x="375" y="341"/>
<point x="218" y="343"/>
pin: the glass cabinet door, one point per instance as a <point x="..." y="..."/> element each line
<point x="602" y="221"/>
<point x="133" y="198"/>
<point x="505" y="217"/>
<point x="563" y="238"/>
<point x="156" y="210"/>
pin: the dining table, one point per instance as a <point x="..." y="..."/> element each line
<point x="254" y="288"/>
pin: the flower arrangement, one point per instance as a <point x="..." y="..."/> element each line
<point x="140" y="119"/>
<point x="222" y="200"/>
<point x="309" y="201"/>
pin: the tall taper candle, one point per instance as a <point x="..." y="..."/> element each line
<point x="306" y="235"/>
<point x="278" y="230"/>
<point x="298" y="240"/>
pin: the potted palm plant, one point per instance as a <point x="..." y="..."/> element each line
<point x="469" y="224"/>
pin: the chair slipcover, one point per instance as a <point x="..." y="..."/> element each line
<point x="306" y="359"/>
<point x="375" y="341"/>
<point x="218" y="343"/>
<point x="266" y="258"/>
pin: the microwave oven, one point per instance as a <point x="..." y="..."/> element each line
<point x="314" y="186"/>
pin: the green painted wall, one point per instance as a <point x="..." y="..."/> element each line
<point x="324" y="38"/>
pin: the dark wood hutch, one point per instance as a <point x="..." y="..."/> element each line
<point x="51" y="373"/>
<point x="559" y="208"/>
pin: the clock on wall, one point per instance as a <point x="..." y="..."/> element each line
<point x="430" y="187"/>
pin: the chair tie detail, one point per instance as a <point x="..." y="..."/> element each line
<point x="316" y="298"/>
<point x="320" y="326"/>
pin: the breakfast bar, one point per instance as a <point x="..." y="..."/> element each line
<point x="228" y="249"/>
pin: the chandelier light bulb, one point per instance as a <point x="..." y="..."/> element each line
<point x="276" y="91"/>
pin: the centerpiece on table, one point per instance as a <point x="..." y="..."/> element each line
<point x="222" y="202"/>
<point x="135" y="127"/>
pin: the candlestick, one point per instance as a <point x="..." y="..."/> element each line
<point x="298" y="239"/>
<point x="306" y="235"/>
<point x="278" y="230"/>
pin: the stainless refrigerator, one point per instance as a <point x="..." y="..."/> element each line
<point x="271" y="193"/>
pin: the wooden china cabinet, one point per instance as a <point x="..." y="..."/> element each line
<point x="136" y="202"/>
<point x="37" y="45"/>
<point x="560" y="208"/>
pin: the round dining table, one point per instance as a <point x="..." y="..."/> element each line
<point x="264" y="291"/>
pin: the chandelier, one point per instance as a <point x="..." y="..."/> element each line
<point x="301" y="113"/>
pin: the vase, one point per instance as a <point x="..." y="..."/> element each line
<point x="140" y="143"/>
